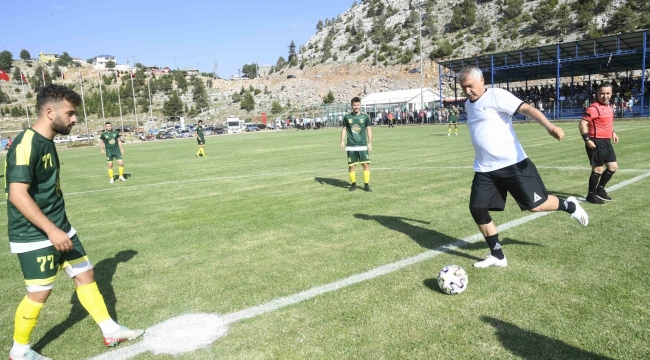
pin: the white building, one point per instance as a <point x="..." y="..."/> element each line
<point x="411" y="99"/>
<point x="99" y="61"/>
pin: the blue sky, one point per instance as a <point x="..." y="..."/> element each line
<point x="165" y="32"/>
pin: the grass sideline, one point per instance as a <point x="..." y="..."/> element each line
<point x="268" y="215"/>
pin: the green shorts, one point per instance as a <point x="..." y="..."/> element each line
<point x="200" y="141"/>
<point x="358" y="157"/>
<point x="41" y="266"/>
<point x="110" y="156"/>
<point x="453" y="120"/>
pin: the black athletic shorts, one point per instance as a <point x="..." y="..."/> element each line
<point x="602" y="154"/>
<point x="521" y="180"/>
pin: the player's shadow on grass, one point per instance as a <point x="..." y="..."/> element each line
<point x="332" y="182"/>
<point x="563" y="194"/>
<point x="104" y="271"/>
<point x="531" y="346"/>
<point x="117" y="177"/>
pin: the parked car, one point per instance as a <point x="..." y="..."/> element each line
<point x="251" y="128"/>
<point x="162" y="135"/>
<point x="291" y="76"/>
<point x="219" y="131"/>
<point x="185" y="133"/>
<point x="414" y="71"/>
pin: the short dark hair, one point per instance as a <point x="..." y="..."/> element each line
<point x="107" y="123"/>
<point x="355" y="100"/>
<point x="201" y="121"/>
<point x="604" y="85"/>
<point x="56" y="93"/>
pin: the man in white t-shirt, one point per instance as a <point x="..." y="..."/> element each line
<point x="500" y="164"/>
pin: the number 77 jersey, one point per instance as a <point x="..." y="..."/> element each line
<point x="32" y="159"/>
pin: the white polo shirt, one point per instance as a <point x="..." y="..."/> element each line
<point x="490" y="127"/>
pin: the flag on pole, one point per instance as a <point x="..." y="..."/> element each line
<point x="4" y="76"/>
<point x="43" y="73"/>
<point x="63" y="76"/>
<point x="22" y="76"/>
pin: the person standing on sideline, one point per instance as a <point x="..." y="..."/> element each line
<point x="390" y="120"/>
<point x="597" y="129"/>
<point x="39" y="231"/>
<point x="453" y="119"/>
<point x="356" y="127"/>
<point x="111" y="146"/>
<point x="501" y="165"/>
<point x="200" y="139"/>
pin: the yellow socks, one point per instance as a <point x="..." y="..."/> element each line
<point x="93" y="302"/>
<point x="25" y="320"/>
<point x="121" y="170"/>
<point x="202" y="150"/>
<point x="353" y="176"/>
<point x="366" y="176"/>
<point x="110" y="173"/>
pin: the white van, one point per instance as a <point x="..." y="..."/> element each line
<point x="235" y="126"/>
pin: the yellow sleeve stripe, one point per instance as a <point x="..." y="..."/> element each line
<point x="75" y="262"/>
<point x="47" y="281"/>
<point x="24" y="149"/>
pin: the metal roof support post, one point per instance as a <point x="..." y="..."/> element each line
<point x="573" y="88"/>
<point x="645" y="36"/>
<point x="492" y="68"/>
<point x="440" y="82"/>
<point x="557" y="85"/>
<point x="455" y="90"/>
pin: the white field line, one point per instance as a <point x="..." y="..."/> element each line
<point x="213" y="326"/>
<point x="318" y="172"/>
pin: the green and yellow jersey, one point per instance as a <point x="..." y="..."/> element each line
<point x="357" y="126"/>
<point x="111" y="141"/>
<point x="199" y="132"/>
<point x="33" y="159"/>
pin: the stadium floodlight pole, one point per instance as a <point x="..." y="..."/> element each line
<point x="101" y="96"/>
<point x="150" y="104"/>
<point x="119" y="101"/>
<point x="83" y="102"/>
<point x="421" y="70"/>
<point x="135" y="106"/>
<point x="22" y="82"/>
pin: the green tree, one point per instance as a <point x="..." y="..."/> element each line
<point x="250" y="70"/>
<point x="513" y="8"/>
<point x="236" y="97"/>
<point x="25" y="55"/>
<point x="16" y="74"/>
<point x="280" y="63"/>
<point x="56" y="71"/>
<point x="173" y="106"/>
<point x="442" y="50"/>
<point x="463" y="16"/>
<point x="329" y="98"/>
<point x="320" y="26"/>
<point x="276" y="107"/>
<point x="36" y="81"/>
<point x="181" y="82"/>
<point x="623" y="20"/>
<point x="6" y="60"/>
<point x="110" y="64"/>
<point x="64" y="59"/>
<point x="292" y="51"/>
<point x="247" y="102"/>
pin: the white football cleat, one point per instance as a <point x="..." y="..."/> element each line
<point x="580" y="214"/>
<point x="29" y="355"/>
<point x="122" y="335"/>
<point x="122" y="178"/>
<point x="491" y="261"/>
<point x="111" y="181"/>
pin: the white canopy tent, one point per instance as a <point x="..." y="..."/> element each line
<point x="410" y="99"/>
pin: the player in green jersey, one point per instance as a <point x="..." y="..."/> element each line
<point x="453" y="119"/>
<point x="200" y="139"/>
<point x="356" y="127"/>
<point x="38" y="227"/>
<point x="111" y="145"/>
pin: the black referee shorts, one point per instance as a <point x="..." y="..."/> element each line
<point x="602" y="154"/>
<point x="521" y="180"/>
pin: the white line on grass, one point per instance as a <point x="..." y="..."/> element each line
<point x="191" y="332"/>
<point x="320" y="172"/>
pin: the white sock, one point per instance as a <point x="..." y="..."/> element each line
<point x="109" y="326"/>
<point x="18" y="350"/>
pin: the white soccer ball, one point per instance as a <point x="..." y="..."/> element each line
<point x="452" y="279"/>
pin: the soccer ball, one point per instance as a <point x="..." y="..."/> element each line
<point x="452" y="279"/>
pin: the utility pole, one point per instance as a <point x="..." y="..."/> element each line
<point x="421" y="70"/>
<point x="257" y="67"/>
<point x="214" y="70"/>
